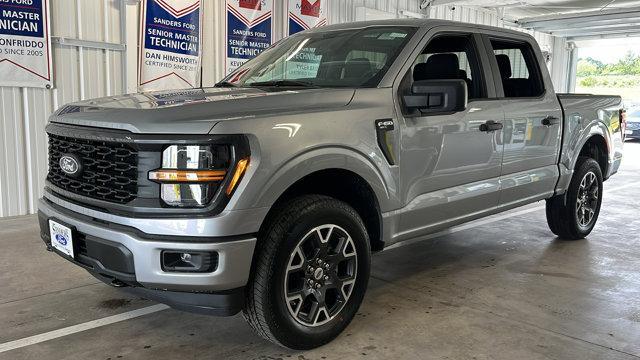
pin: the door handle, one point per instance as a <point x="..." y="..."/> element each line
<point x="491" y="126"/>
<point x="550" y="120"/>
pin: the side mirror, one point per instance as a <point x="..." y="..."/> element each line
<point x="437" y="96"/>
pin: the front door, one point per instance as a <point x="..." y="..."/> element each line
<point x="450" y="164"/>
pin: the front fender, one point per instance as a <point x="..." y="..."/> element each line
<point x="326" y="158"/>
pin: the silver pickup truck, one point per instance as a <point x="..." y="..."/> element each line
<point x="268" y="193"/>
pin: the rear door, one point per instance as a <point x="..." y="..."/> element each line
<point x="533" y="120"/>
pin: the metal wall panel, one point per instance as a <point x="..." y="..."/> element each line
<point x="79" y="73"/>
<point x="82" y="73"/>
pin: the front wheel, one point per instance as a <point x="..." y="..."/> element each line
<point x="574" y="215"/>
<point x="310" y="274"/>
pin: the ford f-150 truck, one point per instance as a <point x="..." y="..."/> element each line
<point x="269" y="192"/>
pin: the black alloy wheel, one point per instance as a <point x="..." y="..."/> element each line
<point x="320" y="275"/>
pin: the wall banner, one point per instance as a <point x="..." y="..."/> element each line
<point x="25" y="43"/>
<point x="170" y="44"/>
<point x="306" y="14"/>
<point x="249" y="30"/>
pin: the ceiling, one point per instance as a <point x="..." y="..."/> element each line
<point x="576" y="20"/>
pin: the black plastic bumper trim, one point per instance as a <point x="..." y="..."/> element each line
<point x="104" y="256"/>
<point x="223" y="303"/>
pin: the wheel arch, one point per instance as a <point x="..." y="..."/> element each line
<point x="339" y="173"/>
<point x="343" y="185"/>
<point x="592" y="140"/>
<point x="596" y="147"/>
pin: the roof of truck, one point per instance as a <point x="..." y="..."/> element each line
<point x="421" y="23"/>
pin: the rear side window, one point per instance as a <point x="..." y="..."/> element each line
<point x="519" y="70"/>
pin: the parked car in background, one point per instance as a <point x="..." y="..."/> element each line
<point x="632" y="130"/>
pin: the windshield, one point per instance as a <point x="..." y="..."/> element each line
<point x="345" y="58"/>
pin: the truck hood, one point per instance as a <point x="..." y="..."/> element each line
<point x="195" y="111"/>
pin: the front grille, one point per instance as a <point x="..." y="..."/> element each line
<point x="110" y="169"/>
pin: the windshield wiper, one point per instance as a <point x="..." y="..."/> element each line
<point x="282" y="83"/>
<point x="225" y="84"/>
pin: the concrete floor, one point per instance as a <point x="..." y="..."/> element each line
<point x="499" y="288"/>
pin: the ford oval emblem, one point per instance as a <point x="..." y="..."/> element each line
<point x="61" y="239"/>
<point x="70" y="164"/>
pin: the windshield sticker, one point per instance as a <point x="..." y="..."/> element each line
<point x="303" y="64"/>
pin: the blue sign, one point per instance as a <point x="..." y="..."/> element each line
<point x="249" y="30"/>
<point x="294" y="27"/>
<point x="165" y="32"/>
<point x="170" y="53"/>
<point x="246" y="42"/>
<point x="25" y="56"/>
<point x="306" y="14"/>
<point x="21" y="19"/>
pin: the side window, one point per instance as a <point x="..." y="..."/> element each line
<point x="519" y="69"/>
<point x="451" y="57"/>
<point x="463" y="62"/>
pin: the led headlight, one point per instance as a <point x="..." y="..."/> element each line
<point x="192" y="174"/>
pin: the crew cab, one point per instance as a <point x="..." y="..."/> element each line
<point x="269" y="192"/>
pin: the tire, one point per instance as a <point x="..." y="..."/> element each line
<point x="573" y="215"/>
<point x="286" y="266"/>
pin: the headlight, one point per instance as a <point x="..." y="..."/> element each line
<point x="191" y="175"/>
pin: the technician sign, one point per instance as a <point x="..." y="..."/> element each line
<point x="249" y="30"/>
<point x="306" y="14"/>
<point x="25" y="58"/>
<point x="170" y="54"/>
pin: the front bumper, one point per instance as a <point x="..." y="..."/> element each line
<point x="126" y="256"/>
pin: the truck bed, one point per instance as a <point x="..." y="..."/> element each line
<point x="580" y="113"/>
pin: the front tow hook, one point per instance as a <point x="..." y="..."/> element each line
<point x="117" y="283"/>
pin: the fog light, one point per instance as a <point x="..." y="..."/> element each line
<point x="191" y="261"/>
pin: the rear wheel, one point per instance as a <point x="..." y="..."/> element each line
<point x="574" y="215"/>
<point x="311" y="273"/>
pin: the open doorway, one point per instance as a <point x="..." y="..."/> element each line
<point x="611" y="67"/>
